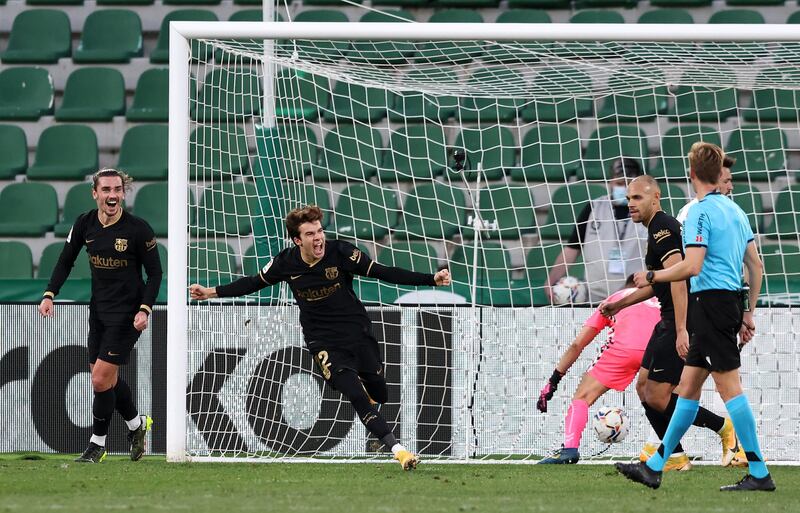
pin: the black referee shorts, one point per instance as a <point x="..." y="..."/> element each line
<point x="661" y="357"/>
<point x="715" y="317"/>
<point x="111" y="338"/>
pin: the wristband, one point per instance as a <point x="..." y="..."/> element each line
<point x="555" y="379"/>
<point x="48" y="295"/>
<point x="146" y="309"/>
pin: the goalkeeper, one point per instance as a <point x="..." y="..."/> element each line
<point x="335" y="325"/>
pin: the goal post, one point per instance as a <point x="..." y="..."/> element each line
<point x="372" y="122"/>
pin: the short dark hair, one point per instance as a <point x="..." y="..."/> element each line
<point x="109" y="171"/>
<point x="728" y="161"/>
<point x="705" y="159"/>
<point x="629" y="281"/>
<point x="300" y="215"/>
<point x="627" y="167"/>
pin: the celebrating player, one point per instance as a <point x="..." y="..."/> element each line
<point x="335" y="325"/>
<point x="718" y="239"/>
<point x="618" y="363"/>
<point x="118" y="245"/>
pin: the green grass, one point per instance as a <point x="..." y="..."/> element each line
<point x="55" y="483"/>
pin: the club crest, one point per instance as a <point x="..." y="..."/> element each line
<point x="121" y="245"/>
<point x="331" y="273"/>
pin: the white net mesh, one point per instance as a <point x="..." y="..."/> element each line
<point x="368" y="131"/>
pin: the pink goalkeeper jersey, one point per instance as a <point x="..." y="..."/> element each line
<point x="631" y="327"/>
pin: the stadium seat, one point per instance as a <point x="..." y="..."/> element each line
<point x="211" y="262"/>
<point x="354" y="102"/>
<point x="327" y="50"/>
<point x="249" y="14"/>
<point x="485" y="110"/>
<point x="786" y="223"/>
<point x="319" y="196"/>
<point x="65" y="152"/>
<point x="432" y="211"/>
<point x="540" y="4"/>
<point x="110" y="35"/>
<point x="227" y="209"/>
<point x="92" y="94"/>
<point x="742" y="52"/>
<point x="756" y="3"/>
<point x="26" y="94"/>
<point x="27" y="209"/>
<point x="638" y="101"/>
<point x="229" y="94"/>
<point x="571" y="96"/>
<point x="760" y="152"/>
<point x="191" y="2"/>
<point x="224" y="152"/>
<point x="54" y="2"/>
<point x="393" y="53"/>
<point x="492" y="147"/>
<point x="452" y="52"/>
<point x="607" y="144"/>
<point x="416" y="256"/>
<point x="666" y="16"/>
<point x="604" y="4"/>
<point x="749" y="199"/>
<point x="160" y="54"/>
<point x="675" y="145"/>
<point x="793" y="18"/>
<point x="14" y="149"/>
<point x="366" y="211"/>
<point x="49" y="259"/>
<point x="540" y="260"/>
<point x="673" y="198"/>
<point x="550" y="152"/>
<point x="566" y="204"/>
<point x="704" y="104"/>
<point x="39" y="36"/>
<point x="415" y="152"/>
<point x="590" y="50"/>
<point x="143" y="152"/>
<point x="736" y="16"/>
<point x="680" y="3"/>
<point x="781" y="261"/>
<point x="300" y="95"/>
<point x="511" y="207"/>
<point x="125" y="2"/>
<point x="16" y="260"/>
<point x="150" y="100"/>
<point x="411" y="107"/>
<point x="663" y="52"/>
<point x="493" y="278"/>
<point x="351" y="152"/>
<point x="299" y="147"/>
<point x="152" y="205"/>
<point x="519" y="51"/>
<point x="773" y="105"/>
<point x="403" y="3"/>
<point x="78" y="201"/>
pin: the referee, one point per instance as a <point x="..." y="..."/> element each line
<point x="717" y="238"/>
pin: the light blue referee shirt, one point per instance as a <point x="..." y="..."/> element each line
<point x="719" y="225"/>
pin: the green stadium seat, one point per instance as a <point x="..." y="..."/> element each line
<point x="14" y="149"/>
<point x="736" y="16"/>
<point x="607" y="144"/>
<point x="416" y="256"/>
<point x="673" y="198"/>
<point x="92" y="94"/>
<point x="78" y="201"/>
<point x="493" y="147"/>
<point x="590" y="50"/>
<point x="300" y="95"/>
<point x="354" y="102"/>
<point x="224" y="152"/>
<point x="54" y="2"/>
<point x="27" y="209"/>
<point x="351" y="152"/>
<point x="229" y="94"/>
<point x="786" y="223"/>
<point x="749" y="199"/>
<point x="774" y="104"/>
<point x="125" y="2"/>
<point x="47" y="262"/>
<point x="452" y="52"/>
<point x="550" y="152"/>
<point x="793" y="18"/>
<point x="319" y="196"/>
<point x="227" y="209"/>
<point x="680" y="3"/>
<point x="160" y="54"/>
<point x="756" y="3"/>
<point x="603" y="4"/>
<point x="664" y="52"/>
<point x="493" y="278"/>
<point x="211" y="262"/>
<point x="675" y="144"/>
<point x="704" y="104"/>
<point x="638" y="100"/>
<point x="489" y="111"/>
<point x="403" y="3"/>
<point x="540" y="4"/>
<point x="433" y="211"/>
<point x="110" y="35"/>
<point x="781" y="262"/>
<point x="760" y="152"/>
<point x="366" y="211"/>
<point x="415" y="152"/>
<point x="571" y="98"/>
<point x="681" y="16"/>
<point x="143" y="152"/>
<point x="191" y="2"/>
<point x="411" y="107"/>
<point x="326" y="50"/>
<point x="65" y="152"/>
<point x="152" y="205"/>
<point x="393" y="53"/>
<point x="566" y="204"/>
<point x="299" y="147"/>
<point x="26" y="94"/>
<point x="515" y="52"/>
<point x="540" y="260"/>
<point x="151" y="98"/>
<point x="742" y="52"/>
<point x="468" y="4"/>
<point x="249" y="15"/>
<point x="511" y="207"/>
<point x="16" y="260"/>
<point x="38" y="36"/>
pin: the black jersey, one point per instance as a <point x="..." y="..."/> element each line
<point x="116" y="253"/>
<point x="663" y="240"/>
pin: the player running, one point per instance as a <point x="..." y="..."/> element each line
<point x="335" y="325"/>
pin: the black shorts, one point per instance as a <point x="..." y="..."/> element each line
<point x="661" y="357"/>
<point x="111" y="339"/>
<point x="715" y="317"/>
<point x="362" y="356"/>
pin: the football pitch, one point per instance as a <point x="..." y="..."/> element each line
<point x="55" y="483"/>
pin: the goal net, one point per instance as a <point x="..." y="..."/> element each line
<point x="431" y="151"/>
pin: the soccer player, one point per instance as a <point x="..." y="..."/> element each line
<point x="619" y="360"/>
<point x="725" y="187"/>
<point x="718" y="239"/>
<point x="663" y="360"/>
<point x="335" y="325"/>
<point x="119" y="245"/>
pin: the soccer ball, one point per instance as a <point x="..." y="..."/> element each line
<point x="568" y="290"/>
<point x="611" y="424"/>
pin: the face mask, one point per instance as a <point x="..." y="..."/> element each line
<point x="618" y="195"/>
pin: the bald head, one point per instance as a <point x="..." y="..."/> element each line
<point x="644" y="198"/>
<point x="647" y="182"/>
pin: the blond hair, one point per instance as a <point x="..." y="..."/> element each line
<point x="705" y="160"/>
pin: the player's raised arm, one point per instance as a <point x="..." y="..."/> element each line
<point x="362" y="265"/>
